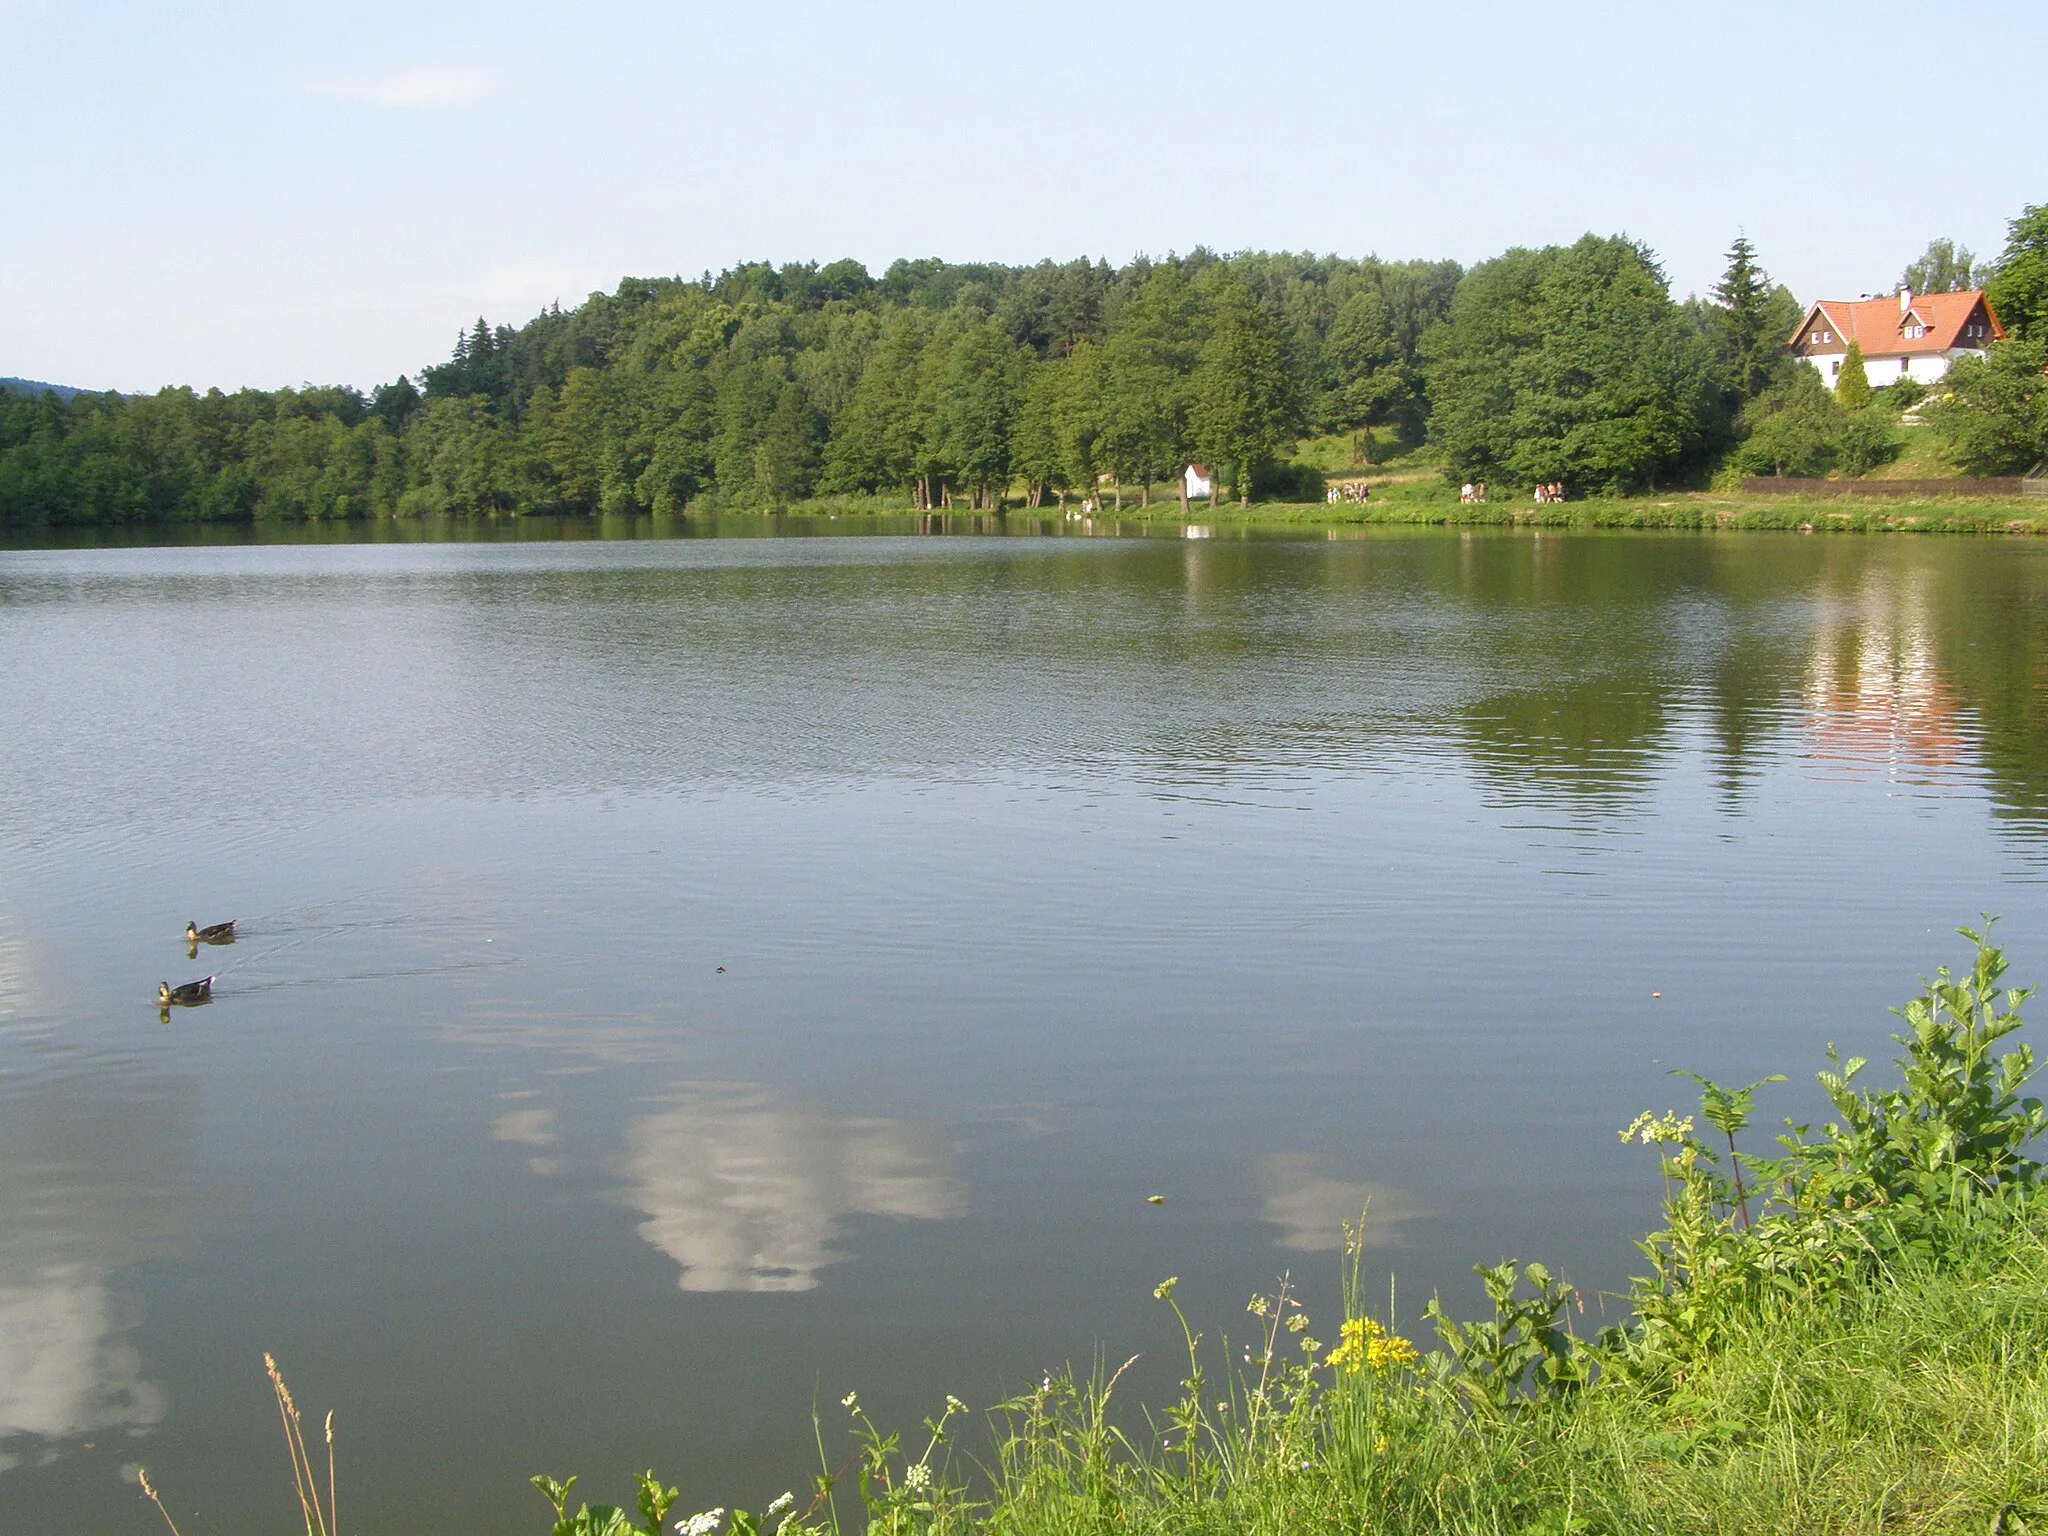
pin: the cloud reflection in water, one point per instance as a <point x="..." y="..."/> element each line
<point x="1310" y="1208"/>
<point x="748" y="1195"/>
<point x="89" y="1184"/>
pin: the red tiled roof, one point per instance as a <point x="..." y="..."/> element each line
<point x="1878" y="325"/>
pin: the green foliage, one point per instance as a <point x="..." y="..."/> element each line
<point x="1751" y="319"/>
<point x="1288" y="482"/>
<point x="1794" y="429"/>
<point x="2018" y="287"/>
<point x="1945" y="267"/>
<point x="1243" y="405"/>
<point x="1901" y="1172"/>
<point x="764" y="386"/>
<point x="1572" y="364"/>
<point x="1867" y="440"/>
<point x="1488" y="1361"/>
<point x="1993" y="412"/>
<point x="1852" y="384"/>
<point x="653" y="1499"/>
<point x="1956" y="1125"/>
<point x="1798" y="428"/>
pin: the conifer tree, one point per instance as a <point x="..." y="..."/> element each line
<point x="1750" y="345"/>
<point x="1852" y="385"/>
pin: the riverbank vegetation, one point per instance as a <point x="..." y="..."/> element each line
<point x="944" y="386"/>
<point x="1848" y="1334"/>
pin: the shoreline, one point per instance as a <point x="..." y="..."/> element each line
<point x="1689" y="511"/>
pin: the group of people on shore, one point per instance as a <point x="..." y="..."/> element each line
<point x="1550" y="490"/>
<point x="1349" y="490"/>
<point x="1472" y="490"/>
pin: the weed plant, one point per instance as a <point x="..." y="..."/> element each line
<point x="1847" y="1335"/>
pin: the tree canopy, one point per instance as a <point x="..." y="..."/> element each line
<point x="764" y="385"/>
<point x="1572" y="363"/>
<point x="943" y="383"/>
<point x="2018" y="288"/>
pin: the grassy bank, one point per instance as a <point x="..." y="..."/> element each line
<point x="1850" y="1335"/>
<point x="1429" y="504"/>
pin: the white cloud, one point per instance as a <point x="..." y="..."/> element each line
<point x="64" y="1367"/>
<point x="1311" y="1209"/>
<point x="90" y="1185"/>
<point x="425" y="85"/>
<point x="534" y="1127"/>
<point x="748" y="1195"/>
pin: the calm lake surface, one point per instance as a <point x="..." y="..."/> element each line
<point x="1045" y="875"/>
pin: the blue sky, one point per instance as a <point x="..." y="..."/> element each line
<point x="267" y="194"/>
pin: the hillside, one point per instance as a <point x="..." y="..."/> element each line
<point x="37" y="387"/>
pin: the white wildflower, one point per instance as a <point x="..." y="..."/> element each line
<point x="851" y="1400"/>
<point x="917" y="1477"/>
<point x="787" y="1500"/>
<point x="954" y="1405"/>
<point x="701" y="1525"/>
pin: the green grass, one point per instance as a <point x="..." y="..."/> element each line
<point x="1918" y="1403"/>
<point x="1914" y="1403"/>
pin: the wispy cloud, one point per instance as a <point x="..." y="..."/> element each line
<point x="425" y="85"/>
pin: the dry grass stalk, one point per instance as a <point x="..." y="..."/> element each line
<point x="319" y="1522"/>
<point x="142" y="1477"/>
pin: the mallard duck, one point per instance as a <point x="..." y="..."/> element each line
<point x="187" y="995"/>
<point x="217" y="933"/>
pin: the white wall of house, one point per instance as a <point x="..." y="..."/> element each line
<point x="1920" y="367"/>
<point x="1198" y="485"/>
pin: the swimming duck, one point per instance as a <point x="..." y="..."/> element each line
<point x="187" y="995"/>
<point x="217" y="933"/>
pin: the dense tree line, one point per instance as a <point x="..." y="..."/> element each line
<point x="941" y="383"/>
<point x="967" y="384"/>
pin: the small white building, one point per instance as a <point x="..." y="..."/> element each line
<point x="1914" y="336"/>
<point x="1199" y="481"/>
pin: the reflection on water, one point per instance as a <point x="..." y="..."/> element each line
<point x="1286" y="880"/>
<point x="528" y="1127"/>
<point x="17" y="986"/>
<point x="1311" y="1209"/>
<point x="65" y="1366"/>
<point x="1875" y="693"/>
<point x="747" y="1194"/>
<point x="85" y="1190"/>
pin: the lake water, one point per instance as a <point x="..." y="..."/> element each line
<point x="684" y="980"/>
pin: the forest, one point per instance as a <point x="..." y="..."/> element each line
<point x="979" y="386"/>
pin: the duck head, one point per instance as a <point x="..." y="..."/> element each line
<point x="163" y="993"/>
<point x="191" y="931"/>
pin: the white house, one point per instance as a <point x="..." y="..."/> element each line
<point x="1199" y="481"/>
<point x="1915" y="336"/>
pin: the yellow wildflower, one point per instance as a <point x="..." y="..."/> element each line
<point x="1364" y="1345"/>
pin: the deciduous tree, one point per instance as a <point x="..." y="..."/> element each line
<point x="1241" y="408"/>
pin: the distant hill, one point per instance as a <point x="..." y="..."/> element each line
<point x="37" y="386"/>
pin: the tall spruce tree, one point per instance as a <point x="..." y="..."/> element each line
<point x="1750" y="345"/>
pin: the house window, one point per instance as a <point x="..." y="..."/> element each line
<point x="1903" y="364"/>
<point x="1835" y="368"/>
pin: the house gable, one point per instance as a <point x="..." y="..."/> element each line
<point x="1818" y="332"/>
<point x="1924" y="324"/>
